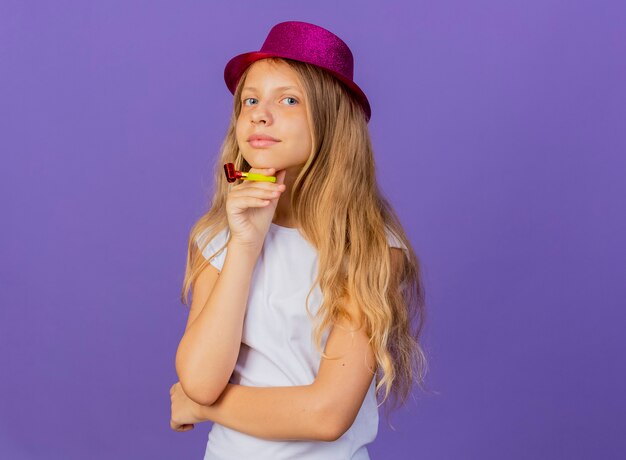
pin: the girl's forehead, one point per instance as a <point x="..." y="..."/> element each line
<point x="263" y="73"/>
<point x="267" y="64"/>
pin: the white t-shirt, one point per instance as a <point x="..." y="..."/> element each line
<point x="277" y="349"/>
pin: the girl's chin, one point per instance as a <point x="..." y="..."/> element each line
<point x="262" y="165"/>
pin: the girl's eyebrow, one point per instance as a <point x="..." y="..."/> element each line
<point x="280" y="88"/>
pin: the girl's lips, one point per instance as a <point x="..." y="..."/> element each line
<point x="260" y="143"/>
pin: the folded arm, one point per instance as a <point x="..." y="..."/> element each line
<point x="323" y="410"/>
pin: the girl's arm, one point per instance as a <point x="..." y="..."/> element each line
<point x="276" y="413"/>
<point x="324" y="410"/>
<point x="208" y="350"/>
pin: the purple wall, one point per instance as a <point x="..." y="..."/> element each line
<point x="508" y="120"/>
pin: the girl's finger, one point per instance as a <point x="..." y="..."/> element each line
<point x="263" y="193"/>
<point x="264" y="171"/>
<point x="255" y="185"/>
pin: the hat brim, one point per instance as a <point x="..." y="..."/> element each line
<point x="237" y="66"/>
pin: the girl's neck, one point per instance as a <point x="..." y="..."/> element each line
<point x="289" y="223"/>
<point x="283" y="215"/>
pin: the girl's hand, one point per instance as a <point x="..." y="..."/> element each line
<point x="185" y="411"/>
<point x="249" y="215"/>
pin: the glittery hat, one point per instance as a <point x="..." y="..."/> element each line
<point x="305" y="42"/>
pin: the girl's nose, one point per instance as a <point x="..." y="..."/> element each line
<point x="261" y="114"/>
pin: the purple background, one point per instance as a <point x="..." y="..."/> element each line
<point x="508" y="120"/>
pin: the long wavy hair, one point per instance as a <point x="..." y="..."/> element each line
<point x="349" y="235"/>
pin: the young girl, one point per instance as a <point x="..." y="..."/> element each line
<point x="280" y="271"/>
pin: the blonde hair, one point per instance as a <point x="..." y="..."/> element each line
<point x="349" y="236"/>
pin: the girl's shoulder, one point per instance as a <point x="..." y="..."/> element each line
<point x="201" y="238"/>
<point x="210" y="246"/>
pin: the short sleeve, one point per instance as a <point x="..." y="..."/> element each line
<point x="213" y="246"/>
<point x="394" y="241"/>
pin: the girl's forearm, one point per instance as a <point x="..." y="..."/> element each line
<point x="277" y="413"/>
<point x="208" y="351"/>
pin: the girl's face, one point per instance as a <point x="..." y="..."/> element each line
<point x="273" y="104"/>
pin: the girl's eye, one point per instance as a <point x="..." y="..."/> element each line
<point x="293" y="99"/>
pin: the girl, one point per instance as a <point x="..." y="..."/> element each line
<point x="279" y="271"/>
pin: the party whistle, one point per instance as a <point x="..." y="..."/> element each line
<point x="232" y="175"/>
